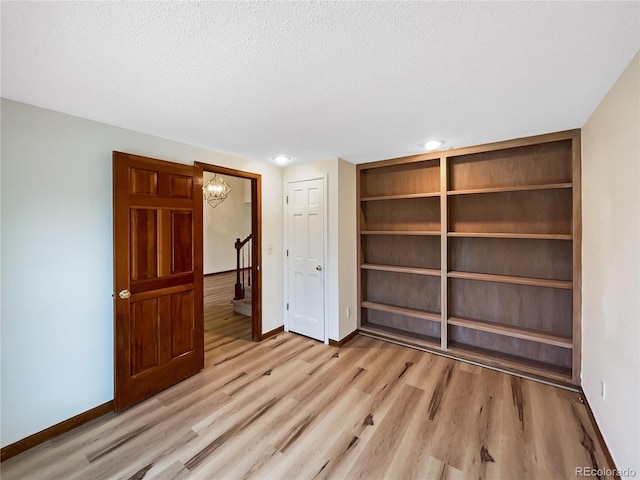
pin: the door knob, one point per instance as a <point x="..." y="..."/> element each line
<point x="319" y="267"/>
<point x="124" y="294"/>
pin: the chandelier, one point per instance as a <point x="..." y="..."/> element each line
<point x="215" y="191"/>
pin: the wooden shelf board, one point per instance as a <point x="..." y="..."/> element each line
<point x="510" y="362"/>
<point x="523" y="188"/>
<point x="400" y="232"/>
<point x="511" y="331"/>
<point x="400" y="197"/>
<point x="407" y="312"/>
<point x="399" y="269"/>
<point x="399" y="335"/>
<point x="534" y="236"/>
<point x="534" y="282"/>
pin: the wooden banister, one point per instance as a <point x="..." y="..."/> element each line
<point x="240" y="266"/>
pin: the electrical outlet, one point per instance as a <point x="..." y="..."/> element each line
<point x="348" y="312"/>
<point x="603" y="389"/>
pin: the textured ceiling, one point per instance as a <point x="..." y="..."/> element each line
<point x="357" y="80"/>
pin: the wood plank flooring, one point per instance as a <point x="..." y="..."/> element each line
<point x="293" y="408"/>
<point x="221" y="324"/>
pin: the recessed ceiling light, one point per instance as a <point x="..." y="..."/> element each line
<point x="281" y="159"/>
<point x="432" y="144"/>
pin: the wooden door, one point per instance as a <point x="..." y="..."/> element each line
<point x="306" y="245"/>
<point x="159" y="324"/>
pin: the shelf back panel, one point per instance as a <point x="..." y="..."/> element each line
<point x="531" y="165"/>
<point x="417" y="177"/>
<point x="548" y="259"/>
<point x="418" y="292"/>
<point x="544" y="309"/>
<point x="537" y="211"/>
<point x="402" y="251"/>
<point x="409" y="325"/>
<point x="517" y="347"/>
<point x="398" y="215"/>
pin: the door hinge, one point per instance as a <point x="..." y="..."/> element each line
<point x="287" y="199"/>
<point x="287" y="252"/>
<point x="287" y="306"/>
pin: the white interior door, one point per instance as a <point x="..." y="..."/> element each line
<point x="306" y="247"/>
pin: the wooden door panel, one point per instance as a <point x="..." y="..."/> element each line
<point x="143" y="243"/>
<point x="181" y="323"/>
<point x="169" y="319"/>
<point x="144" y="326"/>
<point x="158" y="258"/>
<point x="180" y="186"/>
<point x="164" y="328"/>
<point x="143" y="182"/>
<point x="165" y="248"/>
<point x="182" y="242"/>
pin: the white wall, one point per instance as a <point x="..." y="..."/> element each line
<point x="348" y="266"/>
<point x="225" y="223"/>
<point x="57" y="260"/>
<point x="340" y="265"/>
<point x="611" y="266"/>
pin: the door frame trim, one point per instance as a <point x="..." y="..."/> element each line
<point x="256" y="232"/>
<point x="325" y="182"/>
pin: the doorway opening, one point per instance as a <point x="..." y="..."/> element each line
<point x="232" y="238"/>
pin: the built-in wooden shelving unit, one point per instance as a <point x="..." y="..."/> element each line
<point x="476" y="252"/>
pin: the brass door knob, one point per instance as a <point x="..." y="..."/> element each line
<point x="124" y="294"/>
<point x="319" y="268"/>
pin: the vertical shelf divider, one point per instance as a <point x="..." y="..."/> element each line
<point x="577" y="257"/>
<point x="359" y="255"/>
<point x="444" y="226"/>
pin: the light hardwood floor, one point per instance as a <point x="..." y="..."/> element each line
<point x="293" y="408"/>
<point x="221" y="324"/>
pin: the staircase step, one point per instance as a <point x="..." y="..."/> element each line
<point x="243" y="306"/>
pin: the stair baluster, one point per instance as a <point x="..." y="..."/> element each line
<point x="240" y="265"/>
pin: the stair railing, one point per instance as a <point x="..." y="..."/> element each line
<point x="243" y="265"/>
